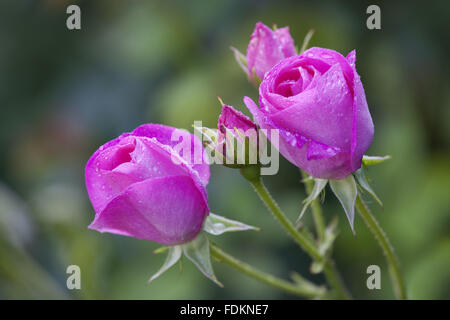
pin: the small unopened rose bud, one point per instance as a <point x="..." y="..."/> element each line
<point x="267" y="47"/>
<point x="237" y="138"/>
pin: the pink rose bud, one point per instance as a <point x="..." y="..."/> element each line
<point x="268" y="47"/>
<point x="237" y="131"/>
<point x="137" y="189"/>
<point x="317" y="102"/>
<point x="232" y="119"/>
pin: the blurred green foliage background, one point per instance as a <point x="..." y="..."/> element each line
<point x="63" y="93"/>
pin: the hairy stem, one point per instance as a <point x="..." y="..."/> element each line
<point x="303" y="241"/>
<point x="309" y="291"/>
<point x="383" y="241"/>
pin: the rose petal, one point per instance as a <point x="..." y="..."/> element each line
<point x="167" y="210"/>
<point x="317" y="151"/>
<point x="286" y="42"/>
<point x="363" y="128"/>
<point x="336" y="167"/>
<point x="317" y="97"/>
<point x="332" y="57"/>
<point x="323" y="114"/>
<point x="231" y="118"/>
<point x="254" y="109"/>
<point x="130" y="160"/>
<point x="351" y="58"/>
<point x="166" y="135"/>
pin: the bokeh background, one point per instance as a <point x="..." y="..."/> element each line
<point x="63" y="93"/>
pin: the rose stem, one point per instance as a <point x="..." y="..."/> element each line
<point x="329" y="270"/>
<point x="383" y="241"/>
<point x="309" y="291"/>
<point x="317" y="213"/>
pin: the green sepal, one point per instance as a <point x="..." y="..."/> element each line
<point x="210" y="143"/>
<point x="256" y="80"/>
<point x="198" y="252"/>
<point x="241" y="59"/>
<point x="209" y="135"/>
<point x="161" y="250"/>
<point x="173" y="255"/>
<point x="306" y="40"/>
<point x="216" y="225"/>
<point x="364" y="184"/>
<point x="319" y="185"/>
<point x="346" y="191"/>
<point x="372" y="160"/>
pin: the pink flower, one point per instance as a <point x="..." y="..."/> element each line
<point x="137" y="189"/>
<point x="317" y="102"/>
<point x="267" y="48"/>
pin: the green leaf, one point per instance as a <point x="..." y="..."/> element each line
<point x="364" y="183"/>
<point x="346" y="191"/>
<point x="319" y="185"/>
<point x="198" y="252"/>
<point x="217" y="225"/>
<point x="173" y="256"/>
<point x="372" y="160"/>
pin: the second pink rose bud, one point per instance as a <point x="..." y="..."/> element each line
<point x="267" y="47"/>
<point x="237" y="138"/>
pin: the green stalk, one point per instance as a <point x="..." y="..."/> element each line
<point x="383" y="241"/>
<point x="303" y="241"/>
<point x="309" y="291"/>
